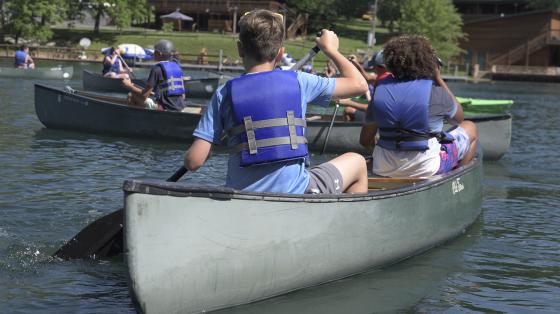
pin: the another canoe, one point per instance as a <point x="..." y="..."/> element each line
<point x="196" y="88"/>
<point x="80" y="111"/>
<point x="192" y="249"/>
<point x="494" y="133"/>
<point x="476" y="105"/>
<point x="55" y="73"/>
<point x="60" y="109"/>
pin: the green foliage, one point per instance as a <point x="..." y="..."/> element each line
<point x="389" y="11"/>
<point x="545" y="4"/>
<point x="349" y="10"/>
<point x="122" y="12"/>
<point x="167" y="27"/>
<point x="31" y="19"/>
<point x="321" y="12"/>
<point x="438" y="20"/>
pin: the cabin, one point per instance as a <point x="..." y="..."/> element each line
<point x="212" y="15"/>
<point x="529" y="39"/>
<point x="478" y="9"/>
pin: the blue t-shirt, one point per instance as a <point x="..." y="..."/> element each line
<point x="280" y="177"/>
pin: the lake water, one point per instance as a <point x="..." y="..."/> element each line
<point x="53" y="183"/>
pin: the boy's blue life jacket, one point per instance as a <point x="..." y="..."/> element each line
<point x="172" y="84"/>
<point x="270" y="122"/>
<point x="115" y="67"/>
<point x="401" y="112"/>
<point x="20" y="58"/>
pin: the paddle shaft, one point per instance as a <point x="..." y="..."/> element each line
<point x="127" y="67"/>
<point x="104" y="236"/>
<point x="329" y="130"/>
<point x="315" y="50"/>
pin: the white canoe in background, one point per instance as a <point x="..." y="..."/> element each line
<point x="56" y="73"/>
<point x="195" y="249"/>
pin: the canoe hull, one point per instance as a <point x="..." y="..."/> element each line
<point x="54" y="73"/>
<point x="233" y="248"/>
<point x="199" y="88"/>
<point x="61" y="110"/>
<point x="494" y="133"/>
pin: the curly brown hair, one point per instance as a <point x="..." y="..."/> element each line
<point x="410" y="57"/>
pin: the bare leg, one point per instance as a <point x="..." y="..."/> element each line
<point x="470" y="128"/>
<point x="349" y="114"/>
<point x="352" y="167"/>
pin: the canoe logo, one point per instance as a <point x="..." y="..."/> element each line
<point x="457" y="186"/>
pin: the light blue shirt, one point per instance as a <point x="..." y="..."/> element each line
<point x="280" y="177"/>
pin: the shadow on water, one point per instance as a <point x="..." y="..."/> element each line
<point x="395" y="288"/>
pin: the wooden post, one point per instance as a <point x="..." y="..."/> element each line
<point x="527" y="54"/>
<point x="234" y="26"/>
<point x="220" y="61"/>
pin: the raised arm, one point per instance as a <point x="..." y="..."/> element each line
<point x="459" y="116"/>
<point x="350" y="83"/>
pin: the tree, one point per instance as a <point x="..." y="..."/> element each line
<point x="356" y="9"/>
<point x="122" y="12"/>
<point x="544" y="4"/>
<point x="438" y="20"/>
<point x="32" y="18"/>
<point x="321" y="12"/>
<point x="389" y="11"/>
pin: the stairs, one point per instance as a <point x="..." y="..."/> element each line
<point x="522" y="51"/>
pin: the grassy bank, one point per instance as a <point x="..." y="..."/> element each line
<point x="352" y="34"/>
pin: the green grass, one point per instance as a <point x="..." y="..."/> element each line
<point x="352" y="35"/>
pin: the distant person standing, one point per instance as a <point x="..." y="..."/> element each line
<point x="165" y="89"/>
<point x="22" y="58"/>
<point x="112" y="66"/>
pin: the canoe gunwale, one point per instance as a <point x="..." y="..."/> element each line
<point x="163" y="188"/>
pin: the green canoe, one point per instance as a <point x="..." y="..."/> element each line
<point x="475" y="105"/>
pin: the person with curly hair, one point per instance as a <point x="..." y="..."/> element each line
<point x="408" y="110"/>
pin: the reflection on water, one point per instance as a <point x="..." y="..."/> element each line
<point x="54" y="182"/>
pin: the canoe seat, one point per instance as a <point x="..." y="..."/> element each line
<point x="194" y="110"/>
<point x="313" y="118"/>
<point x="382" y="183"/>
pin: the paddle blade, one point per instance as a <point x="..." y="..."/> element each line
<point x="101" y="238"/>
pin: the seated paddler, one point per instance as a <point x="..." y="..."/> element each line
<point x="408" y="110"/>
<point x="22" y="58"/>
<point x="262" y="115"/>
<point x="165" y="89"/>
<point x="112" y="65"/>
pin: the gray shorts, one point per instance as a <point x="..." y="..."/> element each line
<point x="324" y="179"/>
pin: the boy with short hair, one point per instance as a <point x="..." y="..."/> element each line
<point x="263" y="114"/>
<point x="165" y="82"/>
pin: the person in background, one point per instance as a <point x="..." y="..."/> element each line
<point x="165" y="89"/>
<point x="112" y="65"/>
<point x="22" y="58"/>
<point x="408" y="109"/>
<point x="263" y="114"/>
<point x="355" y="108"/>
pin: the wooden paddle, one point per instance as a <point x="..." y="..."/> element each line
<point x="127" y="67"/>
<point x="104" y="236"/>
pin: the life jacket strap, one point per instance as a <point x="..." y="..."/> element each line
<point x="261" y="124"/>
<point x="170" y="84"/>
<point x="292" y="129"/>
<point x="251" y="138"/>
<point x="413" y="136"/>
<point x="286" y="140"/>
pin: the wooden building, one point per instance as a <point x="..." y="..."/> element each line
<point x="476" y="9"/>
<point x="524" y="39"/>
<point x="213" y="15"/>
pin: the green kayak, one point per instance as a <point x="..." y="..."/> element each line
<point x="476" y="105"/>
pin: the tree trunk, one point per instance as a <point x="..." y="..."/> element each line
<point x="2" y="22"/>
<point x="98" y="15"/>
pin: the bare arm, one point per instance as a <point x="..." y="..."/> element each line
<point x="347" y="102"/>
<point x="367" y="136"/>
<point x="197" y="154"/>
<point x="370" y="78"/>
<point x="350" y="83"/>
<point x="146" y="92"/>
<point x="459" y="116"/>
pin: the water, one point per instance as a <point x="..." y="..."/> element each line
<point x="52" y="183"/>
